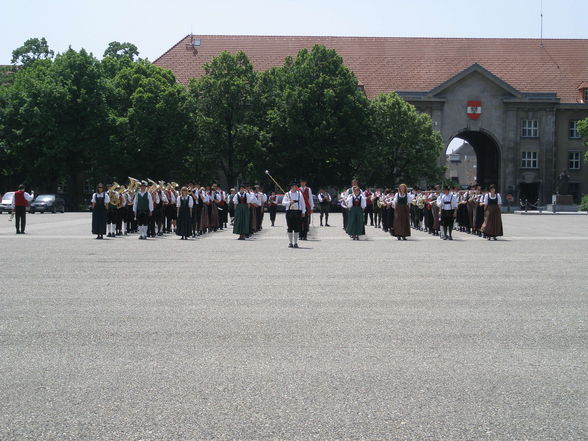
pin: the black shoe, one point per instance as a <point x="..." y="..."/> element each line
<point x="398" y="237"/>
<point x="404" y="238"/>
<point x="290" y="245"/>
<point x="450" y="238"/>
<point x="295" y="245"/>
<point x="327" y="225"/>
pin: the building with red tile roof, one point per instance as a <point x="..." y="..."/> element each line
<point x="531" y="93"/>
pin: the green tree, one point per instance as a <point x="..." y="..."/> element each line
<point x="316" y="118"/>
<point x="402" y="147"/>
<point x="32" y="50"/>
<point x="224" y="101"/>
<point x="55" y="119"/>
<point x="116" y="49"/>
<point x="153" y="133"/>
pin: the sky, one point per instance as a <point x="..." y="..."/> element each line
<point x="154" y="26"/>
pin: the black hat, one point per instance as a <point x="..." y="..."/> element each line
<point x="294" y="182"/>
<point x="143" y="183"/>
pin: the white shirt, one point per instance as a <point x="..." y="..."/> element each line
<point x="321" y="198"/>
<point x="310" y="198"/>
<point x="163" y="197"/>
<point x="296" y="199"/>
<point x="487" y="196"/>
<point x="149" y="199"/>
<point x="106" y="198"/>
<point x="190" y="201"/>
<point x="409" y="198"/>
<point x="27" y="196"/>
<point x="351" y="198"/>
<point x="447" y="201"/>
<point x="246" y="195"/>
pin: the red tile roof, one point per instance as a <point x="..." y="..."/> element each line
<point x="407" y="64"/>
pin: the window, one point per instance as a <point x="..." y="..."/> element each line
<point x="574" y="160"/>
<point x="530" y="128"/>
<point x="573" y="129"/>
<point x="529" y="159"/>
<point x="585" y="95"/>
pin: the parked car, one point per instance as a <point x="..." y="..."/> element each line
<point x="6" y="205"/>
<point x="48" y="202"/>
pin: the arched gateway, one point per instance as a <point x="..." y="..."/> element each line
<point x="487" y="156"/>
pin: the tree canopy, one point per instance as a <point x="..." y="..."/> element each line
<point x="71" y="118"/>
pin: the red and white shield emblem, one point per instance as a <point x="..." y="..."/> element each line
<point x="474" y="109"/>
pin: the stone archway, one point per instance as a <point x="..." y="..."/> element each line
<point x="487" y="154"/>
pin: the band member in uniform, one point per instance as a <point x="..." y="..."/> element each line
<point x="205" y="215"/>
<point x="171" y="215"/>
<point x="241" y="201"/>
<point x="478" y="211"/>
<point x="20" y="202"/>
<point x="447" y="203"/>
<point x="492" y="226"/>
<point x="324" y="199"/>
<point x="130" y="216"/>
<point x="232" y="205"/>
<point x="155" y="212"/>
<point x="223" y="211"/>
<point x="143" y="209"/>
<point x="213" y="208"/>
<point x="112" y="211"/>
<point x="401" y="204"/>
<point x="295" y="208"/>
<point x="100" y="202"/>
<point x="344" y="209"/>
<point x="385" y="207"/>
<point x="195" y="193"/>
<point x="463" y="218"/>
<point x="253" y="204"/>
<point x="355" y="220"/>
<point x="377" y="208"/>
<point x="273" y="207"/>
<point x="184" y="206"/>
<point x="121" y="214"/>
<point x="309" y="204"/>
<point x="369" y="207"/>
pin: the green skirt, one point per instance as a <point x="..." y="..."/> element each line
<point x="241" y="224"/>
<point x="355" y="225"/>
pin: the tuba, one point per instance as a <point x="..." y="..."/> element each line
<point x="113" y="194"/>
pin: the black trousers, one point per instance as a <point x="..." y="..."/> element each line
<point x="369" y="210"/>
<point x="142" y="218"/>
<point x="273" y="209"/>
<point x="293" y="220"/>
<point x="304" y="226"/>
<point x="324" y="210"/>
<point x="345" y="214"/>
<point x="447" y="221"/>
<point x="20" y="214"/>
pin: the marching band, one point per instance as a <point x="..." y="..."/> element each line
<point x="155" y="208"/>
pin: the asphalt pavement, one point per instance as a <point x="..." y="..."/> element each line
<point x="219" y="339"/>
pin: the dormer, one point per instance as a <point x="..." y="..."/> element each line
<point x="583" y="92"/>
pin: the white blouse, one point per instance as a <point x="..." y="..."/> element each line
<point x="190" y="201"/>
<point x="362" y="201"/>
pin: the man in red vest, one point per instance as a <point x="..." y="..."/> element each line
<point x="20" y="202"/>
<point x="309" y="203"/>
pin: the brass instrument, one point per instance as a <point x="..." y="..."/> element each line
<point x="113" y="194"/>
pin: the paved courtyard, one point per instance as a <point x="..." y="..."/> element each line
<point x="219" y="339"/>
